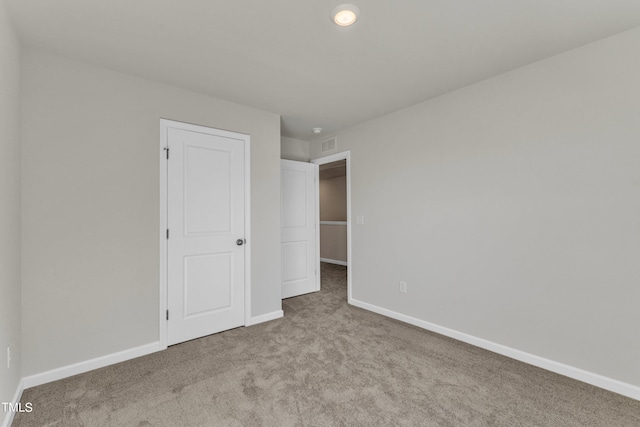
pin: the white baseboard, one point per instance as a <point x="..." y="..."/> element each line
<point x="8" y="416"/>
<point x="266" y="317"/>
<point x="333" y="261"/>
<point x="597" y="380"/>
<point x="89" y="365"/>
<point x="111" y="359"/>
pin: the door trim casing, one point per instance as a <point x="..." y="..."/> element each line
<point x="345" y="155"/>
<point x="165" y="124"/>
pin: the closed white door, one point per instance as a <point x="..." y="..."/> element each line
<point x="206" y="283"/>
<point x="299" y="243"/>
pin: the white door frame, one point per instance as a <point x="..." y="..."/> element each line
<point x="165" y="124"/>
<point x="345" y="155"/>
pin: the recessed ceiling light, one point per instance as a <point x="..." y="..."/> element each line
<point x="316" y="131"/>
<point x="345" y="15"/>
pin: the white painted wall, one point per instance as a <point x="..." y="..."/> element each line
<point x="9" y="209"/>
<point x="91" y="206"/>
<point x="294" y="149"/>
<point x="512" y="209"/>
<point x="333" y="198"/>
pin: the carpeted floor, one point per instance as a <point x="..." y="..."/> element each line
<point x="324" y="364"/>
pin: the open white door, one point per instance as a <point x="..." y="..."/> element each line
<point x="206" y="231"/>
<point x="299" y="245"/>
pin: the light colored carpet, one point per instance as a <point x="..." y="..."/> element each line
<point x="324" y="364"/>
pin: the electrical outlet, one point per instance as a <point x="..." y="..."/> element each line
<point x="403" y="287"/>
<point x="9" y="357"/>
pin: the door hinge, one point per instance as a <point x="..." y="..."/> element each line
<point x="167" y="314"/>
<point x="167" y="233"/>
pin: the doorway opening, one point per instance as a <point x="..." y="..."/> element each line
<point x="333" y="218"/>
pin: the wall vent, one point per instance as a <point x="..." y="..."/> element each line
<point x="329" y="144"/>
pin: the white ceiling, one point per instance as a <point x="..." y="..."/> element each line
<point x="285" y="56"/>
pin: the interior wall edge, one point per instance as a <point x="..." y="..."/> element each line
<point x="8" y="418"/>
<point x="10" y="213"/>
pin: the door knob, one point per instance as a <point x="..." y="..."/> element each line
<point x="240" y="242"/>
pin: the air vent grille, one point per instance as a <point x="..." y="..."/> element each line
<point x="329" y="144"/>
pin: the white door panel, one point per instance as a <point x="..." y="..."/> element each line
<point x="205" y="292"/>
<point x="299" y="247"/>
<point x="201" y="296"/>
<point x="207" y="190"/>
